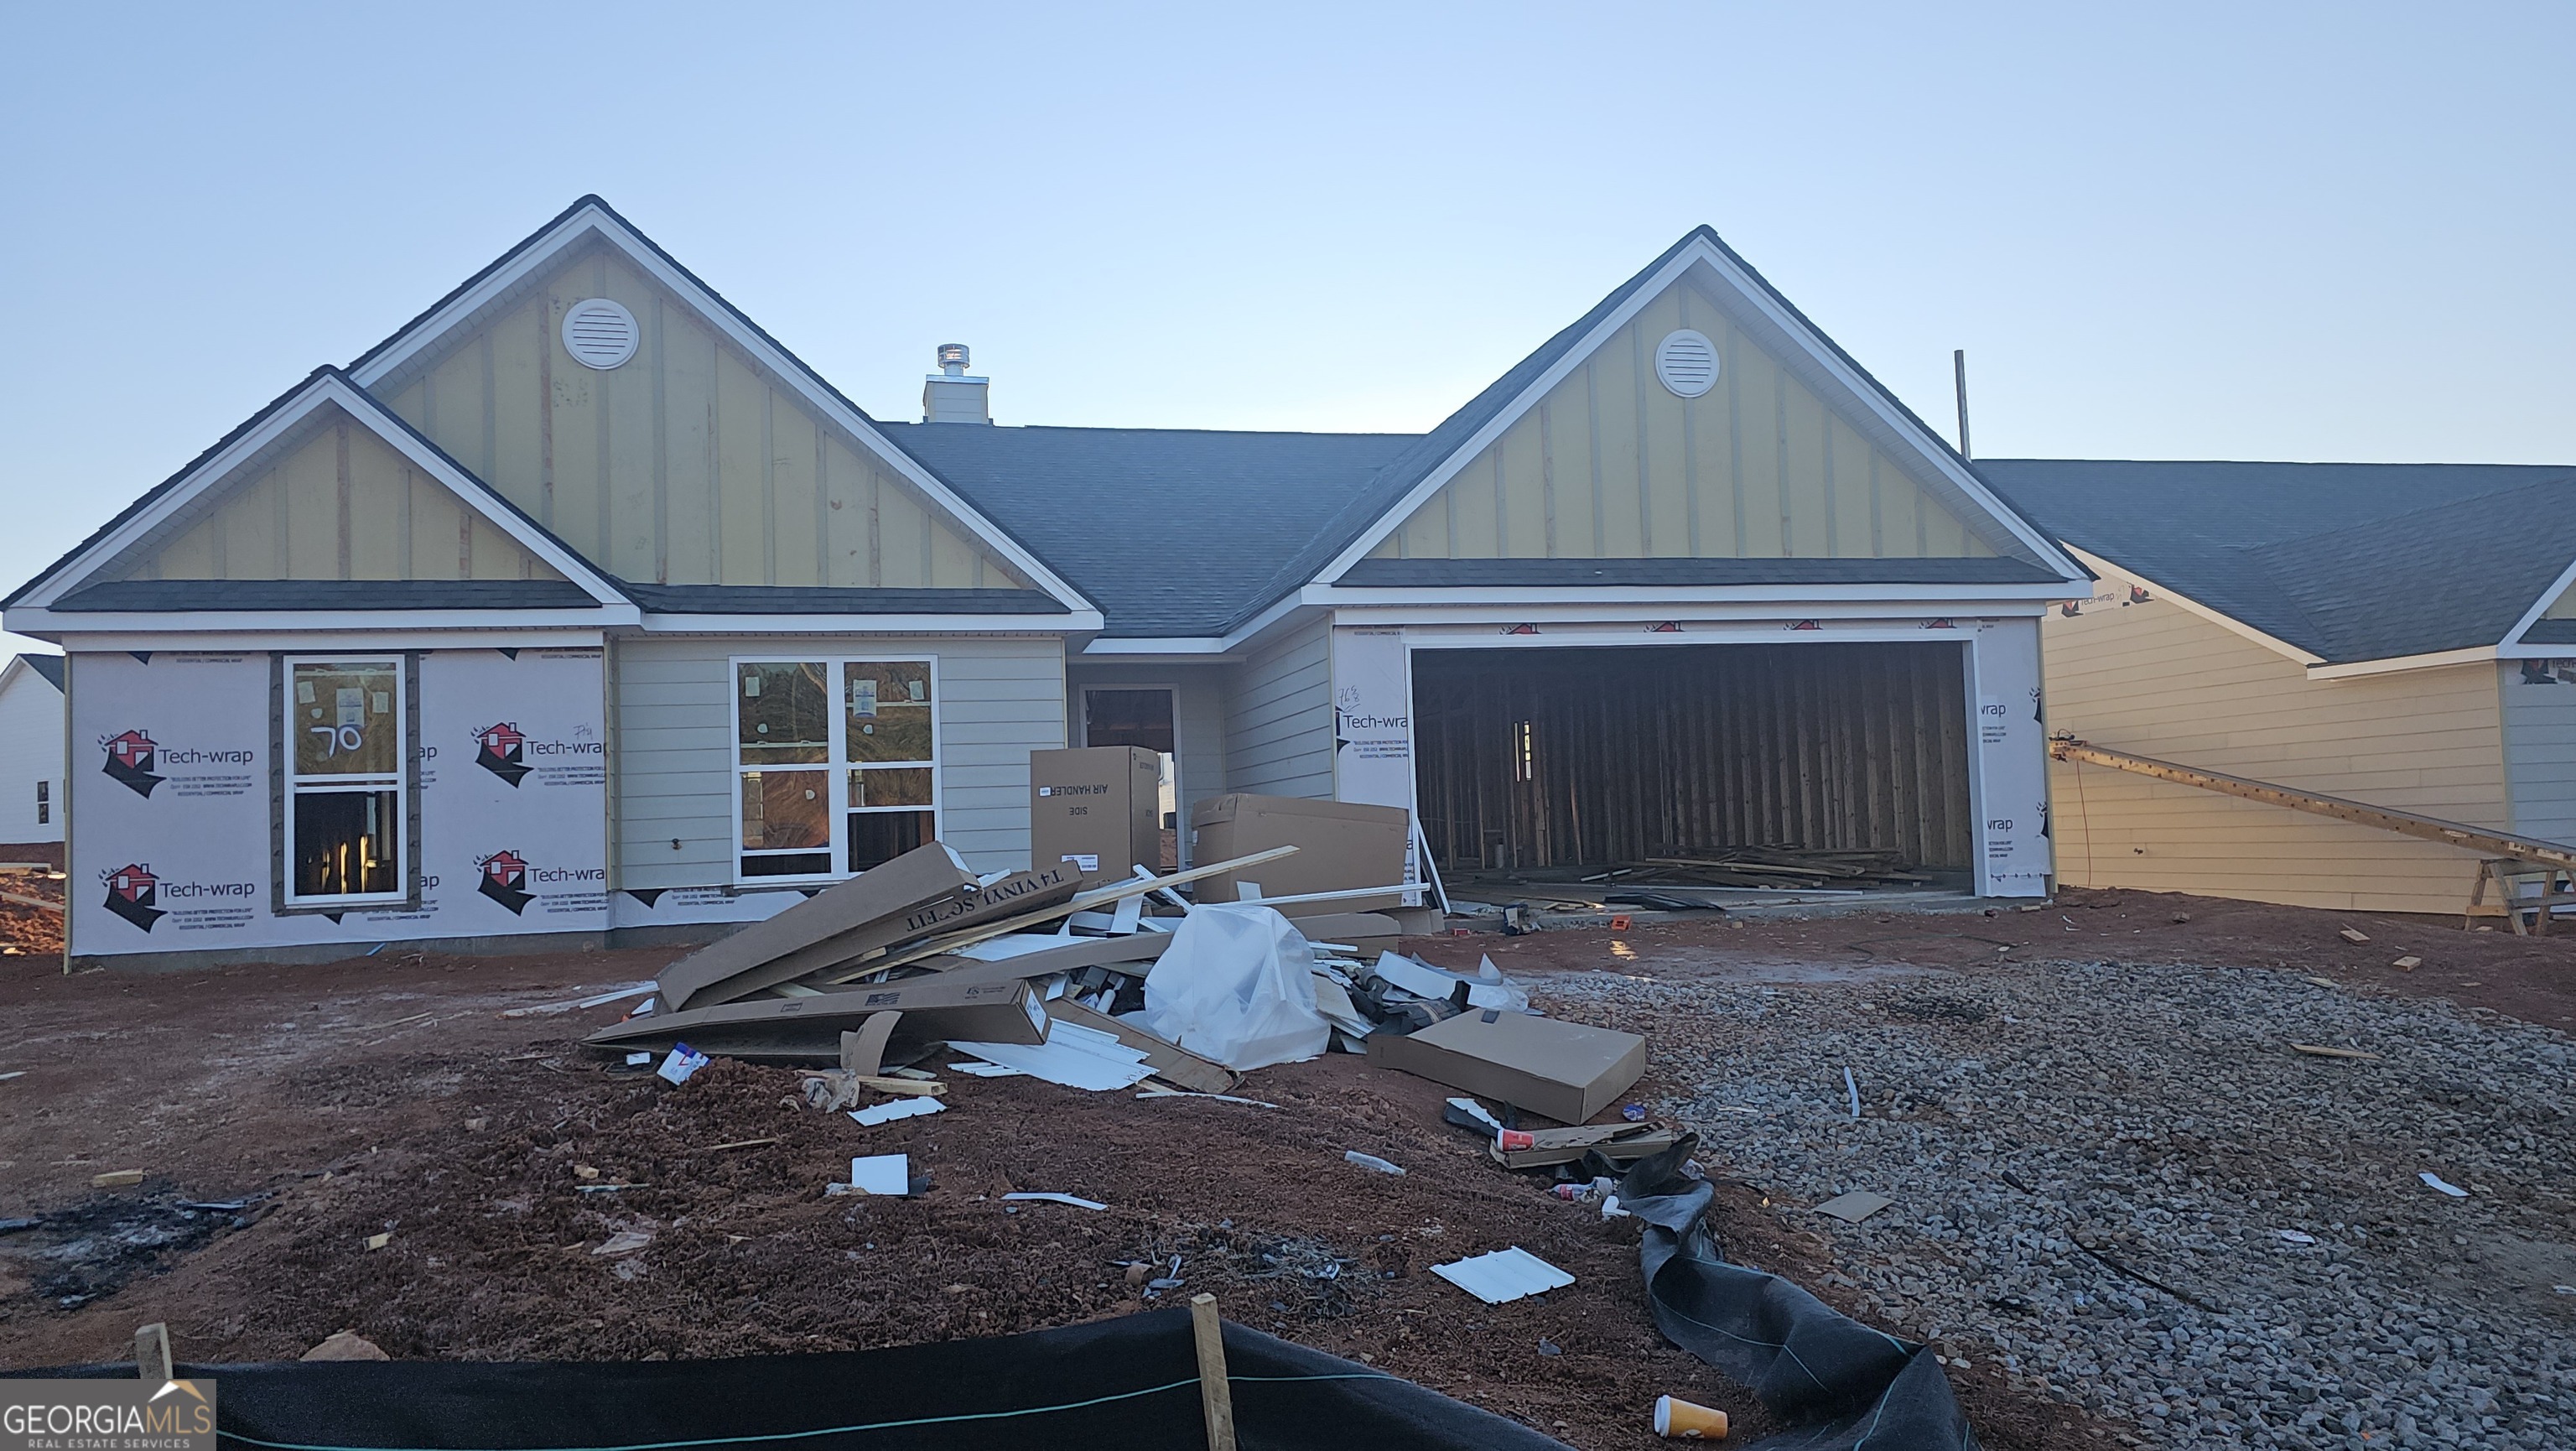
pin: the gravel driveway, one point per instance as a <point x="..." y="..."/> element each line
<point x="2121" y="1184"/>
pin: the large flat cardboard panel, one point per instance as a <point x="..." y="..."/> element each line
<point x="1099" y="805"/>
<point x="1340" y="845"/>
<point x="1567" y="1071"/>
<point x="973" y="907"/>
<point x="980" y="1012"/>
<point x="915" y="879"/>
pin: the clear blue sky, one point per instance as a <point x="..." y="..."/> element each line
<point x="2216" y="231"/>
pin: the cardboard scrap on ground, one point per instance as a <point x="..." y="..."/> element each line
<point x="1855" y="1206"/>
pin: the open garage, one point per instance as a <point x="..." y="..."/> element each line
<point x="1591" y="755"/>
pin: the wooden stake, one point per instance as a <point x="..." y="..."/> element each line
<point x="152" y="1354"/>
<point x="1216" y="1396"/>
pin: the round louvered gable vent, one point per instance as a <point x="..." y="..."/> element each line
<point x="599" y="332"/>
<point x="1686" y="362"/>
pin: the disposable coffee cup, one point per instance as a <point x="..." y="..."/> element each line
<point x="1511" y="1139"/>
<point x="1679" y="1420"/>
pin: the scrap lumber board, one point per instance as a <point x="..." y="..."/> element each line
<point x="1169" y="1059"/>
<point x="1015" y="893"/>
<point x="923" y="875"/>
<point x="2429" y="828"/>
<point x="1566" y="1146"/>
<point x="931" y="1008"/>
<point x="1077" y="954"/>
<point x="1097" y="897"/>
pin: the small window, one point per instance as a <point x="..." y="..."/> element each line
<point x="44" y="803"/>
<point x="836" y="764"/>
<point x="346" y="754"/>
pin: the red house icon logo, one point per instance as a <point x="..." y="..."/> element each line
<point x="131" y="892"/>
<point x="130" y="758"/>
<point x="499" y="748"/>
<point x="505" y="880"/>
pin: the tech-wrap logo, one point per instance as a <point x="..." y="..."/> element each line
<point x="501" y="749"/>
<point x="139" y="761"/>
<point x="506" y="751"/>
<point x="133" y="893"/>
<point x="130" y="759"/>
<point x="513" y="881"/>
<point x="505" y="880"/>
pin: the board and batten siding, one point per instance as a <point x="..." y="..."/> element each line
<point x="999" y="699"/>
<point x="2155" y="679"/>
<point x="1610" y="464"/>
<point x="2540" y="753"/>
<point x="1279" y="716"/>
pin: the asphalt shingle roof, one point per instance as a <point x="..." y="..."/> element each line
<point x="2346" y="561"/>
<point x="48" y="666"/>
<point x="1169" y="531"/>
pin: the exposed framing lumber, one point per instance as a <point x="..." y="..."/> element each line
<point x="2428" y="828"/>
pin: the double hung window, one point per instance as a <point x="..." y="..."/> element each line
<point x="346" y="805"/>
<point x="836" y="764"/>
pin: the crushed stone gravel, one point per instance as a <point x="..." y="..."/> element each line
<point x="2121" y="1184"/>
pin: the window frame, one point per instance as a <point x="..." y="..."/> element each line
<point x="403" y="780"/>
<point x="836" y="765"/>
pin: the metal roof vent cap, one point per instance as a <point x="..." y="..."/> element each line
<point x="600" y="333"/>
<point x="952" y="359"/>
<point x="1686" y="363"/>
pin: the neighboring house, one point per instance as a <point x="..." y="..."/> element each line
<point x="31" y="754"/>
<point x="2397" y="634"/>
<point x="579" y="608"/>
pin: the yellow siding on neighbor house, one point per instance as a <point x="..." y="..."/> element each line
<point x="2155" y="679"/>
<point x="683" y="466"/>
<point x="340" y="505"/>
<point x="1611" y="465"/>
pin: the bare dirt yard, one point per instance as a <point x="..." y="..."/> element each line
<point x="2088" y="1116"/>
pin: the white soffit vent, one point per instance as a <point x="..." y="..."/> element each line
<point x="1686" y="362"/>
<point x="599" y="332"/>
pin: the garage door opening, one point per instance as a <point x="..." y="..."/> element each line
<point x="1558" y="760"/>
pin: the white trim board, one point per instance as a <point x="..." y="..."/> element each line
<point x="329" y="387"/>
<point x="2565" y="581"/>
<point x="591" y="218"/>
<point x="1820" y="357"/>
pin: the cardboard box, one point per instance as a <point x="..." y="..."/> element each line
<point x="1565" y="1071"/>
<point x="1340" y="845"/>
<point x="1098" y="808"/>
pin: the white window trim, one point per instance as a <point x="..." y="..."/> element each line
<point x="403" y="782"/>
<point x="835" y="767"/>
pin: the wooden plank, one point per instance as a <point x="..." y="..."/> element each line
<point x="2428" y="828"/>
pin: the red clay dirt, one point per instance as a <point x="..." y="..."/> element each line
<point x="388" y="1096"/>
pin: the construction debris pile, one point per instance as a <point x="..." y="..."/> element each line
<point x="1068" y="973"/>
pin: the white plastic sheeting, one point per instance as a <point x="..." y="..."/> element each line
<point x="1237" y="985"/>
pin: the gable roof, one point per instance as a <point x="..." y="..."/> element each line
<point x="48" y="668"/>
<point x="592" y="218"/>
<point x="1411" y="477"/>
<point x="2349" y="562"/>
<point x="72" y="575"/>
<point x="1175" y="532"/>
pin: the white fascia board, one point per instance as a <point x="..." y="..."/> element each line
<point x="1932" y="451"/>
<point x="1829" y="616"/>
<point x="2228" y="622"/>
<point x="1202" y="648"/>
<point x="2434" y="660"/>
<point x="334" y="389"/>
<point x="178" y="623"/>
<point x="1461" y="636"/>
<point x="309" y="640"/>
<point x="1789" y="600"/>
<point x="687" y="624"/>
<point x="590" y="220"/>
<point x="2565" y="581"/>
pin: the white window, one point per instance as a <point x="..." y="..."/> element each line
<point x="44" y="803"/>
<point x="836" y="765"/>
<point x="347" y="757"/>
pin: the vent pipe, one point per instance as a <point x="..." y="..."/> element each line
<point x="951" y="395"/>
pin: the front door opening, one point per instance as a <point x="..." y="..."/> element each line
<point x="1140" y="716"/>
